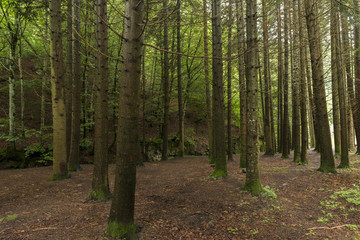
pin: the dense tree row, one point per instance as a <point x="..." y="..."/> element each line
<point x="119" y="67"/>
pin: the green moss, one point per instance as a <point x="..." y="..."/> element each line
<point x="217" y="174"/>
<point x="120" y="230"/>
<point x="327" y="169"/>
<point x="253" y="187"/>
<point x="99" y="195"/>
<point x="344" y="165"/>
<point x="56" y="177"/>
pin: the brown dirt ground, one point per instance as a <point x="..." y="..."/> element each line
<point x="175" y="200"/>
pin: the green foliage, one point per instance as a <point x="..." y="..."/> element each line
<point x="323" y="220"/>
<point x="351" y="195"/>
<point x="267" y="191"/>
<point x="85" y="143"/>
<point x="233" y="230"/>
<point x="9" y="218"/>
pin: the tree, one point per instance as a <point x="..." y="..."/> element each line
<point x="268" y="100"/>
<point x="165" y="127"/>
<point x="327" y="159"/>
<point x="229" y="78"/>
<point x="252" y="183"/>
<point x="100" y="183"/>
<point x="285" y="123"/>
<point x="207" y="82"/>
<point x="242" y="82"/>
<point x="57" y="92"/>
<point x="180" y="98"/>
<point x="121" y="219"/>
<point x="218" y="95"/>
<point x="74" y="155"/>
<point x="303" y="86"/>
<point x="280" y="75"/>
<point x="357" y="72"/>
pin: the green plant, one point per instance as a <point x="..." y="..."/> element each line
<point x="233" y="230"/>
<point x="269" y="192"/>
<point x="351" y="195"/>
<point x="9" y="217"/>
<point x="323" y="220"/>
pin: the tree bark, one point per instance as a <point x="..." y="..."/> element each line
<point x="100" y="183"/>
<point x="229" y="78"/>
<point x="280" y="74"/>
<point x="180" y="98"/>
<point x="252" y="183"/>
<point x="218" y="95"/>
<point x="74" y="157"/>
<point x="121" y="219"/>
<point x="327" y="159"/>
<point x="57" y="93"/>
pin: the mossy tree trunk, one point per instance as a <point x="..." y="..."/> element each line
<point x="252" y="183"/>
<point x="100" y="183"/>
<point x="219" y="155"/>
<point x="327" y="163"/>
<point x="57" y="93"/>
<point x="121" y="219"/>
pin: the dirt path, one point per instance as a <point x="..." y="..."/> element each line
<point x="175" y="200"/>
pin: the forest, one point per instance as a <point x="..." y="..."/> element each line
<point x="171" y="119"/>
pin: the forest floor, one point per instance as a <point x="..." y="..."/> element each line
<point x="176" y="200"/>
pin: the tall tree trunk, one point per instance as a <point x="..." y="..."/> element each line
<point x="60" y="170"/>
<point x="268" y="101"/>
<point x="207" y="82"/>
<point x="22" y="99"/>
<point x="335" y="26"/>
<point x="327" y="159"/>
<point x="100" y="183"/>
<point x="121" y="219"/>
<point x="43" y="82"/>
<point x="335" y="81"/>
<point x="229" y="77"/>
<point x="303" y="85"/>
<point x="12" y="64"/>
<point x="295" y="85"/>
<point x="218" y="95"/>
<point x="74" y="157"/>
<point x="285" y="124"/>
<point x="280" y="75"/>
<point x="165" y="127"/>
<point x="350" y="80"/>
<point x="252" y="183"/>
<point x="242" y="82"/>
<point x="180" y="98"/>
<point x="69" y="76"/>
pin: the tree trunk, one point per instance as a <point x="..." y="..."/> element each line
<point x="303" y="85"/>
<point x="280" y="74"/>
<point x="22" y="99"/>
<point x="252" y="183"/>
<point x="295" y="85"/>
<point x="180" y="98"/>
<point x="268" y="101"/>
<point x="312" y="114"/>
<point x="242" y="83"/>
<point x="327" y="159"/>
<point x="207" y="82"/>
<point x="285" y="124"/>
<point x="121" y="219"/>
<point x="100" y="183"/>
<point x="335" y="26"/>
<point x="165" y="127"/>
<point x="219" y="155"/>
<point x="229" y="77"/>
<point x="69" y="77"/>
<point x="57" y="93"/>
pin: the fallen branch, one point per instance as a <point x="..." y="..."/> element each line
<point x="335" y="227"/>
